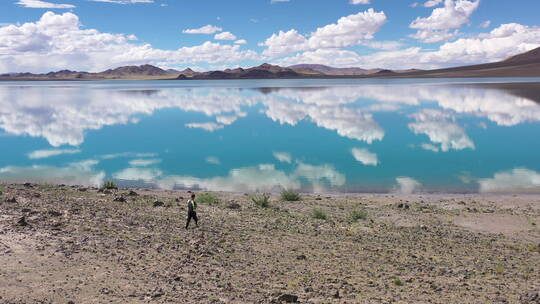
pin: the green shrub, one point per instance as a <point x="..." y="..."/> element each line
<point x="109" y="185"/>
<point x="290" y="196"/>
<point x="207" y="198"/>
<point x="261" y="200"/>
<point x="398" y="282"/>
<point x="319" y="214"/>
<point x="358" y="214"/>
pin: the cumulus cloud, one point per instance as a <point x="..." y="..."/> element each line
<point x="502" y="42"/>
<point x="42" y="4"/>
<point x="365" y="157"/>
<point x="407" y="185"/>
<point x="348" y="31"/>
<point x="240" y="41"/>
<point x="38" y="154"/>
<point x="441" y="130"/>
<point x="207" y="29"/>
<point x="263" y="177"/>
<point x="225" y="36"/>
<point x="443" y="22"/>
<point x="58" y="42"/>
<point x="518" y="180"/>
<point x="283" y="157"/>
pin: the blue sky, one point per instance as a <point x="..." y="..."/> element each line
<point x="43" y="35"/>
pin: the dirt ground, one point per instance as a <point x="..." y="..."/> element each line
<point x="63" y="244"/>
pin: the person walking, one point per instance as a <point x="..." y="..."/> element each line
<point x="192" y="214"/>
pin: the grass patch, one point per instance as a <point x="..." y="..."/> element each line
<point x="109" y="185"/>
<point x="319" y="214"/>
<point x="261" y="200"/>
<point x="207" y="198"/>
<point x="499" y="269"/>
<point x="397" y="282"/>
<point x="290" y="196"/>
<point x="358" y="214"/>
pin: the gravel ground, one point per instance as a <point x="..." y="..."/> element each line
<point x="64" y="244"/>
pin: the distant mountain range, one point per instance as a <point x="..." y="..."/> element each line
<point x="522" y="65"/>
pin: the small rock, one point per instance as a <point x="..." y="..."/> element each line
<point x="105" y="291"/>
<point x="233" y="205"/>
<point x="120" y="199"/>
<point x="70" y="302"/>
<point x="28" y="185"/>
<point x="159" y="204"/>
<point x="301" y="257"/>
<point x="26" y="210"/>
<point x="336" y="294"/>
<point x="83" y="189"/>
<point x="133" y="193"/>
<point x="22" y="222"/>
<point x="530" y="298"/>
<point x="54" y="213"/>
<point x="11" y="200"/>
<point x="157" y="292"/>
<point x="287" y="298"/>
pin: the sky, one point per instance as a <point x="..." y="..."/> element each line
<point x="95" y="35"/>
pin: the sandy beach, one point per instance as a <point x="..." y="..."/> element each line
<point x="69" y="244"/>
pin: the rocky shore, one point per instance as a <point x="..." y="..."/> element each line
<point x="64" y="244"/>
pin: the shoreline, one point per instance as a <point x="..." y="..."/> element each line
<point x="130" y="246"/>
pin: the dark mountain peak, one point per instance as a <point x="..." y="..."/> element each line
<point x="145" y="69"/>
<point x="530" y="56"/>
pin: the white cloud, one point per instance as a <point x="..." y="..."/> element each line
<point x="75" y="174"/>
<point x="502" y="42"/>
<point x="213" y="160"/>
<point x="240" y="41"/>
<point x="207" y="126"/>
<point x="42" y="4"/>
<point x="225" y="36"/>
<point x="348" y="31"/>
<point x="407" y="185"/>
<point x="518" y="180"/>
<point x="432" y="3"/>
<point x="443" y="22"/>
<point x="429" y="147"/>
<point x="38" y="154"/>
<point x="144" y="162"/>
<point x="207" y="29"/>
<point x="125" y="1"/>
<point x="138" y="174"/>
<point x="435" y="125"/>
<point x="283" y="157"/>
<point x="365" y="157"/>
<point x="59" y="42"/>
<point x="485" y="24"/>
<point x="355" y="2"/>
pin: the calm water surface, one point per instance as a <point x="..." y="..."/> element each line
<point x="458" y="135"/>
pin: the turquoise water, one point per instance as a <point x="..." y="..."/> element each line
<point x="349" y="135"/>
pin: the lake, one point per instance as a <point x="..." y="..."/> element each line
<point x="339" y="135"/>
